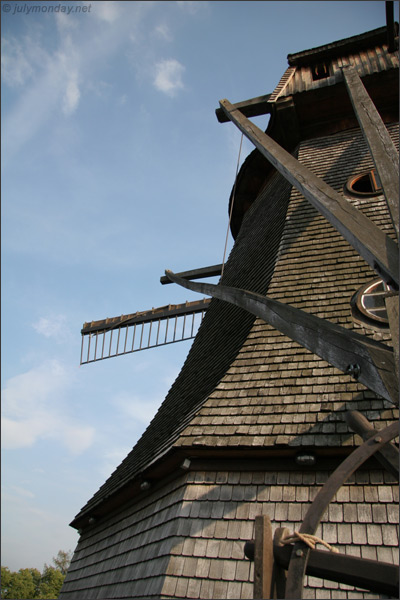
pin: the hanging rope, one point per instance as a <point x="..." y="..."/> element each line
<point x="231" y="210"/>
<point x="307" y="538"/>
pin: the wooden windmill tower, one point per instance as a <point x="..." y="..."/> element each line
<point x="292" y="368"/>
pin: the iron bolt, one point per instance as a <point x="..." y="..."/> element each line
<point x="299" y="553"/>
<point x="378" y="439"/>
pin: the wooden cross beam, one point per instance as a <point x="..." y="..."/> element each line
<point x="371" y="362"/>
<point x="381" y="146"/>
<point x="301" y="552"/>
<point x="388" y="456"/>
<point x="377" y="248"/>
<point x="251" y="108"/>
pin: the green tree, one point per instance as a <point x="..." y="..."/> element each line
<point x="62" y="561"/>
<point x="20" y="585"/>
<point x="50" y="583"/>
<point x="30" y="584"/>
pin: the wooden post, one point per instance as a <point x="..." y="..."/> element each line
<point x="380" y="144"/>
<point x="263" y="558"/>
<point x="377" y="248"/>
<point x="279" y="573"/>
<point x="349" y="351"/>
<point x="392" y="308"/>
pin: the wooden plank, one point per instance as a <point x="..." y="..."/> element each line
<point x="212" y="271"/>
<point x="251" y="108"/>
<point x="339" y="346"/>
<point x="391" y="32"/>
<point x="380" y="144"/>
<point x="155" y="314"/>
<point x="263" y="557"/>
<point x="392" y="309"/>
<point x="301" y="552"/>
<point x="378" y="249"/>
<point x="279" y="574"/>
<point x="389" y="455"/>
<point x="372" y="575"/>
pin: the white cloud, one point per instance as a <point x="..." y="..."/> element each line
<point x="106" y="10"/>
<point x="168" y="76"/>
<point x="15" y="66"/>
<point x="140" y="410"/>
<point x="52" y="327"/>
<point x="162" y="31"/>
<point x="33" y="410"/>
<point x="71" y="97"/>
<point x="191" y="6"/>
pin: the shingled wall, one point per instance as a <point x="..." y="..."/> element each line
<point x="185" y="539"/>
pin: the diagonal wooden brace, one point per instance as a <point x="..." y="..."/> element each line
<point x="377" y="248"/>
<point x="342" y="348"/>
<point x="380" y="144"/>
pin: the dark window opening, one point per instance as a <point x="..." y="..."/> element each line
<point x="366" y="184"/>
<point x="320" y="71"/>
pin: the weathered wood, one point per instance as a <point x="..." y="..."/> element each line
<point x="389" y="455"/>
<point x="392" y="309"/>
<point x="263" y="557"/>
<point x="279" y="573"/>
<point x="391" y="33"/>
<point x="212" y="271"/>
<point x="301" y="552"/>
<point x="155" y="314"/>
<point x="380" y="144"/>
<point x="378" y="249"/>
<point x="342" y="348"/>
<point x="251" y="108"/>
<point x="363" y="573"/>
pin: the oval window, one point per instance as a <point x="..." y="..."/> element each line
<point x="365" y="184"/>
<point x="369" y="302"/>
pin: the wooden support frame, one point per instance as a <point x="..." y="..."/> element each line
<point x="301" y="552"/>
<point x="377" y="248"/>
<point x="368" y="574"/>
<point x="371" y="362"/>
<point x="380" y="144"/>
<point x="251" y="108"/>
<point x="388" y="456"/>
<point x="263" y="558"/>
<point x="212" y="271"/>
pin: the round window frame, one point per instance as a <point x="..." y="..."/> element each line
<point x="360" y="312"/>
<point x="371" y="173"/>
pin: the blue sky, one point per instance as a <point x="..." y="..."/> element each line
<point x="114" y="168"/>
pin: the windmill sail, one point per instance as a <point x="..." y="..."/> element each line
<point x="141" y="330"/>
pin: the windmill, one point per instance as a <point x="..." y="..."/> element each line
<point x="359" y="357"/>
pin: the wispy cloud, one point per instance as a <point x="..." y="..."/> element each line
<point x="162" y="31"/>
<point x="191" y="6"/>
<point x="168" y="76"/>
<point x="33" y="410"/>
<point x="53" y="327"/>
<point x="139" y="410"/>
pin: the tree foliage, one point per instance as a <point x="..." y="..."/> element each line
<point x="30" y="584"/>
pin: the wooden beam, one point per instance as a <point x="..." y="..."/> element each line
<point x="380" y="144"/>
<point x="370" y="361"/>
<point x="391" y="33"/>
<point x="212" y="271"/>
<point x="263" y="557"/>
<point x="363" y="573"/>
<point x="251" y="108"/>
<point x="155" y="314"/>
<point x="377" y="248"/>
<point x="388" y="456"/>
<point x="392" y="309"/>
<point x="301" y="552"/>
